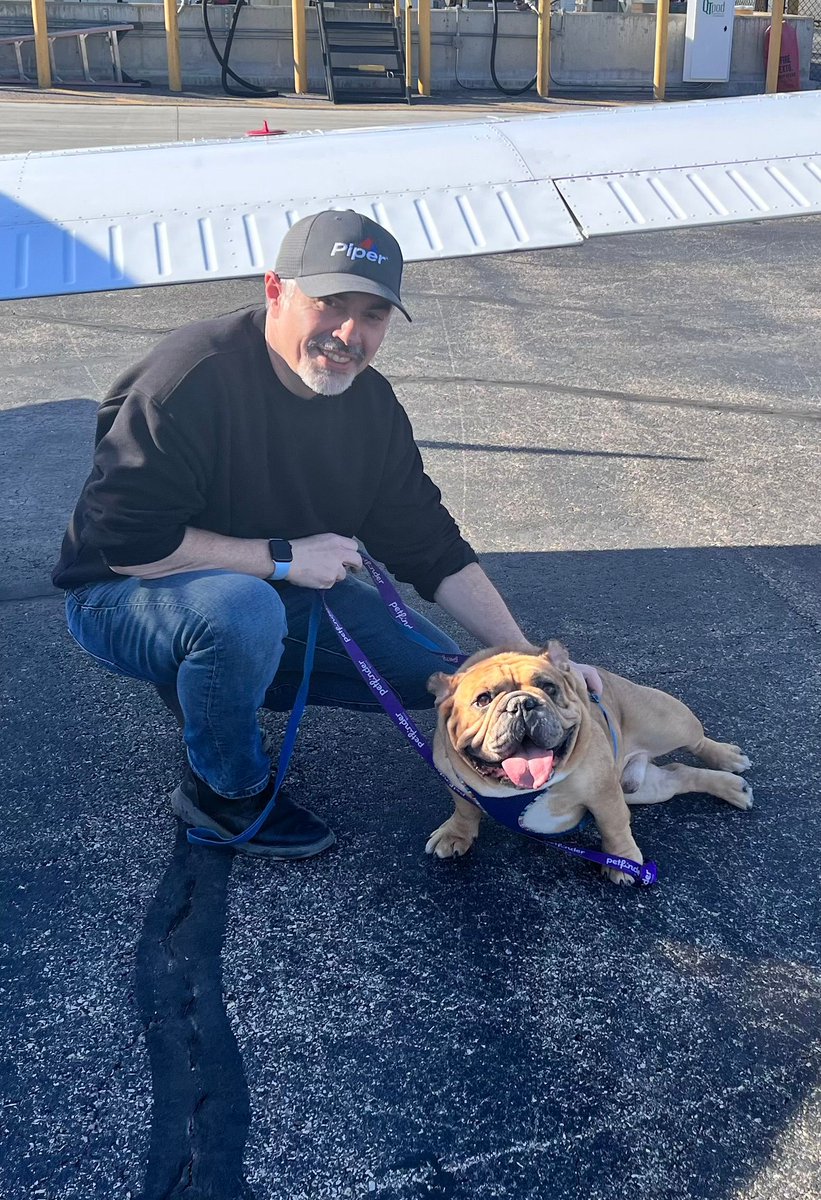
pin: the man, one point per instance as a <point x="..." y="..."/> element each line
<point x="235" y="467"/>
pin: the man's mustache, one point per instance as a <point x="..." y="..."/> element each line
<point x="335" y="346"/>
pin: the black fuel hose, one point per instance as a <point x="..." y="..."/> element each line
<point x="500" y="87"/>
<point x="252" y="89"/>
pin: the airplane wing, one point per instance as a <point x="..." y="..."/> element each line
<point x="135" y="216"/>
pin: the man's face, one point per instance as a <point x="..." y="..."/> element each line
<point x="323" y="343"/>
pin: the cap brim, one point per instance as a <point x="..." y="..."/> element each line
<point x="341" y="281"/>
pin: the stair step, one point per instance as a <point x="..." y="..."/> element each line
<point x="358" y="24"/>
<point x="366" y="69"/>
<point x="360" y="40"/>
<point x="339" y="48"/>
<point x="391" y="93"/>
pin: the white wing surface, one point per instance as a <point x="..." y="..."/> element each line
<point x="134" y="216"/>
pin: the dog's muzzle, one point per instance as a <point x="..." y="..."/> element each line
<point x="523" y="717"/>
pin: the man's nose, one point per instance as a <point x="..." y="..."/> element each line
<point x="348" y="332"/>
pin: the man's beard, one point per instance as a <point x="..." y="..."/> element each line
<point x="322" y="380"/>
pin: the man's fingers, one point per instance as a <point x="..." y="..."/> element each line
<point x="323" y="560"/>
<point x="590" y="675"/>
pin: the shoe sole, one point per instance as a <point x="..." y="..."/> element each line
<point x="188" y="812"/>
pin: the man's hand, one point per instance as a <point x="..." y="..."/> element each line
<point x="590" y="675"/>
<point x="322" y="560"/>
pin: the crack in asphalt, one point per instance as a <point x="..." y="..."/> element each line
<point x="201" y="1110"/>
<point x="551" y="387"/>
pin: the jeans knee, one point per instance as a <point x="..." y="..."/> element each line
<point x="243" y="616"/>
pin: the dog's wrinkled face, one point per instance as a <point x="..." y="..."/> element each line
<point x="512" y="718"/>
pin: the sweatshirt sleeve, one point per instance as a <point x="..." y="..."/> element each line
<point x="408" y="527"/>
<point x="148" y="483"/>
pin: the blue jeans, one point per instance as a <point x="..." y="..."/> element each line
<point x="232" y="644"/>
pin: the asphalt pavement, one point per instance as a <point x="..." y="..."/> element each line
<point x="628" y="433"/>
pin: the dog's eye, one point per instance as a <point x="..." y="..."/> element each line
<point x="549" y="688"/>
<point x="483" y="700"/>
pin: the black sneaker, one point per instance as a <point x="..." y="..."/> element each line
<point x="289" y="832"/>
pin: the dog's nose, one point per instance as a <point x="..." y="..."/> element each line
<point x="520" y="703"/>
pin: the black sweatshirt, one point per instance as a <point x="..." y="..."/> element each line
<point x="201" y="432"/>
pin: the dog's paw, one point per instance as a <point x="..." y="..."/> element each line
<point x="447" y="842"/>
<point x="732" y="758"/>
<point x="618" y="877"/>
<point x="736" y="791"/>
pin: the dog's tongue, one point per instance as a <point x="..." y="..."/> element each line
<point x="529" y="769"/>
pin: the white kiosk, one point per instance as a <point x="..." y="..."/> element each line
<point x="708" y="41"/>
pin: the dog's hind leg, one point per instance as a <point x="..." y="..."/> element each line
<point x="660" y="724"/>
<point x="662" y="783"/>
<point x="724" y="756"/>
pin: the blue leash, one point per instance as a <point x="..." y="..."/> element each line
<point x="596" y="698"/>
<point x="209" y="837"/>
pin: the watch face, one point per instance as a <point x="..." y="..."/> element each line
<point x="280" y="550"/>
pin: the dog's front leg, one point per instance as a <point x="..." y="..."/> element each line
<point x="612" y="816"/>
<point x="458" y="833"/>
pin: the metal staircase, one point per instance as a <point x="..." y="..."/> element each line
<point x="364" y="59"/>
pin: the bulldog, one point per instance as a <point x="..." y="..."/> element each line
<point x="511" y="723"/>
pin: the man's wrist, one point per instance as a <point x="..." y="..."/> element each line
<point x="281" y="557"/>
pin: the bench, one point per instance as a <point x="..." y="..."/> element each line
<point x="81" y="33"/>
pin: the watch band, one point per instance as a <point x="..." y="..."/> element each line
<point x="281" y="556"/>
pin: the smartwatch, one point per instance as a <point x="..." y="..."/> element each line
<point x="281" y="556"/>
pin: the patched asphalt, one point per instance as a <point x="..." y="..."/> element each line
<point x="628" y="433"/>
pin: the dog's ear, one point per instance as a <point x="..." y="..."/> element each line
<point x="558" y="654"/>
<point x="442" y="685"/>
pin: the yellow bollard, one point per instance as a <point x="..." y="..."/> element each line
<point x="424" y="47"/>
<point x="774" y="53"/>
<point x="543" y="50"/>
<point x="172" y="46"/>
<point x="38" y="16"/>
<point x="300" y="47"/>
<point x="660" y="64"/>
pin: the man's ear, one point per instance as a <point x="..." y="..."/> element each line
<point x="558" y="654"/>
<point x="442" y="685"/>
<point x="274" y="290"/>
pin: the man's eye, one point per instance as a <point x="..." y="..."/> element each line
<point x="483" y="700"/>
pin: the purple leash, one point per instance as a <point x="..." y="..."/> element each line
<point x="644" y="873"/>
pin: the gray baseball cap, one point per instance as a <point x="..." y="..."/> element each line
<point x="334" y="251"/>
